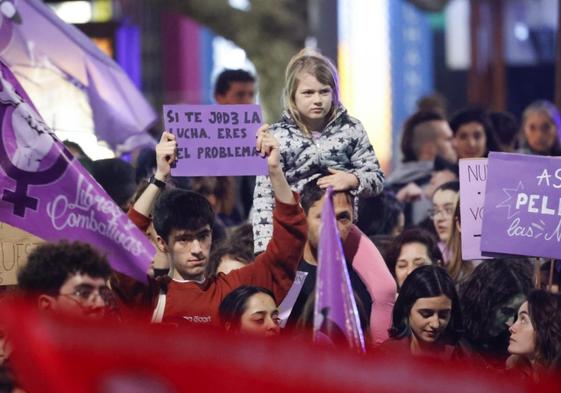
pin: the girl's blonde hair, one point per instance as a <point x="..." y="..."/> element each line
<point x="312" y="62"/>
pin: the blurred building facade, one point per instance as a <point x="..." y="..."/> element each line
<point x="390" y="53"/>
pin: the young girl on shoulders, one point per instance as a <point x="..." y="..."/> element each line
<point x="316" y="134"/>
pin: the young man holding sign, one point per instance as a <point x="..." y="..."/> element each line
<point x="184" y="221"/>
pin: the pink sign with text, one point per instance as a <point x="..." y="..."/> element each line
<point x="473" y="178"/>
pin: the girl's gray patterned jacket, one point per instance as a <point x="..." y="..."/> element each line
<point x="343" y="145"/>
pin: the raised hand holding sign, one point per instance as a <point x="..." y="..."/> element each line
<point x="215" y="140"/>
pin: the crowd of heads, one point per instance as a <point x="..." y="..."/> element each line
<point x="490" y="308"/>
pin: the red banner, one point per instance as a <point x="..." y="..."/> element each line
<point x="59" y="355"/>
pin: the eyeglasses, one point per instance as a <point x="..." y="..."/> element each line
<point x="448" y="211"/>
<point x="87" y="294"/>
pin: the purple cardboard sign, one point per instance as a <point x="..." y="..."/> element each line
<point x="45" y="191"/>
<point x="473" y="176"/>
<point x="523" y="205"/>
<point x="215" y="140"/>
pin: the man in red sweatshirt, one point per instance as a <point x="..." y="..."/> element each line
<point x="183" y="221"/>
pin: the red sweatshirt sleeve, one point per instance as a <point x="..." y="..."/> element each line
<point x="131" y="293"/>
<point x="275" y="269"/>
<point x="141" y="221"/>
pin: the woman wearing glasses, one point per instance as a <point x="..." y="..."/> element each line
<point x="442" y="212"/>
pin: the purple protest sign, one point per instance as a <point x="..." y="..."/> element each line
<point x="335" y="313"/>
<point x="522" y="205"/>
<point x="473" y="176"/>
<point x="215" y="140"/>
<point x="47" y="193"/>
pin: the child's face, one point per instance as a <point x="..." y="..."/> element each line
<point x="313" y="101"/>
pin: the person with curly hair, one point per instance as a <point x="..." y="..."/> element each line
<point x="68" y="277"/>
<point x="490" y="298"/>
<point x="535" y="338"/>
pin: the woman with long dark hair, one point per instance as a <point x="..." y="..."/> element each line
<point x="535" y="338"/>
<point x="427" y="319"/>
<point x="490" y="299"/>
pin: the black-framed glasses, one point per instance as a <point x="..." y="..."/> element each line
<point x="86" y="294"/>
<point x="448" y="211"/>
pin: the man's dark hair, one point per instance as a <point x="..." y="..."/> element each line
<point x="453" y="185"/>
<point x="441" y="164"/>
<point x="180" y="209"/>
<point x="118" y="179"/>
<point x="235" y="303"/>
<point x="411" y="138"/>
<point x="506" y="128"/>
<point x="226" y="77"/>
<point x="379" y="215"/>
<point x="51" y="264"/>
<point x="423" y="282"/>
<point x="311" y="193"/>
<point x="145" y="164"/>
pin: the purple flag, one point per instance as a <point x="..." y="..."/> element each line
<point x="67" y="72"/>
<point x="47" y="193"/>
<point x="335" y="314"/>
<point x="522" y="205"/>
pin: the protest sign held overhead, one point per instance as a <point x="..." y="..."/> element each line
<point x="522" y="205"/>
<point x="473" y="176"/>
<point x="46" y="192"/>
<point x="215" y="140"/>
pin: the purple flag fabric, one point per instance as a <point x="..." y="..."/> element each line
<point x="33" y="39"/>
<point x="46" y="192"/>
<point x="522" y="205"/>
<point x="335" y="314"/>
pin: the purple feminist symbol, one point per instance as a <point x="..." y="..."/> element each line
<point x="28" y="148"/>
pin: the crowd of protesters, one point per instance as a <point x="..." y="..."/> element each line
<point x="228" y="260"/>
